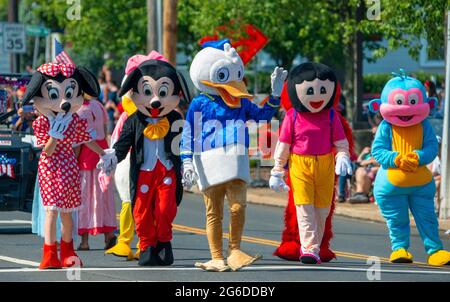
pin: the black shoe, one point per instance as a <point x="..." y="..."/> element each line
<point x="148" y="257"/>
<point x="164" y="254"/>
<point x="341" y="199"/>
<point x="359" y="198"/>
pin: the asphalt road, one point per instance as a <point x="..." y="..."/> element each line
<point x="355" y="242"/>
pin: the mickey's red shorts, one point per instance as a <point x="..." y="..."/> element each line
<point x="155" y="206"/>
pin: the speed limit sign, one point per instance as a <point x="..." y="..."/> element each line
<point x="14" y="38"/>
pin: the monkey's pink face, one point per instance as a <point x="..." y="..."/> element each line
<point x="405" y="107"/>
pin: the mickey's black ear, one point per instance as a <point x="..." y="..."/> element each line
<point x="184" y="87"/>
<point x="88" y="82"/>
<point x="130" y="81"/>
<point x="33" y="87"/>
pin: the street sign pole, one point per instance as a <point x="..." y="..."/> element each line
<point x="444" y="212"/>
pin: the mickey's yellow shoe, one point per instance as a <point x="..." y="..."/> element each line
<point x="401" y="256"/>
<point x="439" y="258"/>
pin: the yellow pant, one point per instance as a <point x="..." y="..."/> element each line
<point x="312" y="179"/>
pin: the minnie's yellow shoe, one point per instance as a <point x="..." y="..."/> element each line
<point x="401" y="256"/>
<point x="439" y="258"/>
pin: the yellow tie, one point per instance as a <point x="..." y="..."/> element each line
<point x="158" y="130"/>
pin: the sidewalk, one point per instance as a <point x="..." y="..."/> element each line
<point x="368" y="211"/>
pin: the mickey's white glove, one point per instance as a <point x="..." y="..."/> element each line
<point x="277" y="79"/>
<point x="343" y="165"/>
<point x="59" y="125"/>
<point x="277" y="183"/>
<point x="108" y="162"/>
<point x="190" y="177"/>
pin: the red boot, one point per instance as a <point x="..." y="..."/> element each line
<point x="68" y="255"/>
<point x="50" y="258"/>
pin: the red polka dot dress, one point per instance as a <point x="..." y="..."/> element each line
<point x="59" y="174"/>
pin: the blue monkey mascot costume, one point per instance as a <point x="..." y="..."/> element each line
<point x="404" y="145"/>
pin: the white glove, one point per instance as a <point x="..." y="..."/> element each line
<point x="277" y="79"/>
<point x="108" y="162"/>
<point x="190" y="177"/>
<point x="343" y="166"/>
<point x="277" y="183"/>
<point x="59" y="125"/>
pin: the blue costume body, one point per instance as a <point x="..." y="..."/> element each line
<point x="395" y="202"/>
<point x="212" y="110"/>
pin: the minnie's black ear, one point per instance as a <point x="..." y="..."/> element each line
<point x="33" y="87"/>
<point x="184" y="87"/>
<point x="130" y="81"/>
<point x="87" y="81"/>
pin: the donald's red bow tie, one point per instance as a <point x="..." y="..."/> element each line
<point x="52" y="69"/>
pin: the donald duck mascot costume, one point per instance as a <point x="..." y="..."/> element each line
<point x="214" y="145"/>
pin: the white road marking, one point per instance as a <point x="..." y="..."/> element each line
<point x="15" y="221"/>
<point x="251" y="268"/>
<point x="19" y="261"/>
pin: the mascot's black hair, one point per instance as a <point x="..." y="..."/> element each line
<point x="309" y="71"/>
<point x="86" y="80"/>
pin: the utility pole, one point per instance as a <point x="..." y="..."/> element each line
<point x="358" y="71"/>
<point x="151" y="26"/>
<point x="170" y="30"/>
<point x="13" y="16"/>
<point x="444" y="211"/>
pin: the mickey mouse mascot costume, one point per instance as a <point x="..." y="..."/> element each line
<point x="155" y="172"/>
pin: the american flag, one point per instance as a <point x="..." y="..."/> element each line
<point x="60" y="55"/>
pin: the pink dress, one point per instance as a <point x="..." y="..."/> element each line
<point x="58" y="174"/>
<point x="98" y="214"/>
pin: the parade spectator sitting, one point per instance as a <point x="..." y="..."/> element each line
<point x="25" y="115"/>
<point x="364" y="175"/>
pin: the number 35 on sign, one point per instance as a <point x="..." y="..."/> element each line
<point x="13" y="37"/>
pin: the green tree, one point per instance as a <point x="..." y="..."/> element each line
<point x="324" y="30"/>
<point x="109" y="29"/>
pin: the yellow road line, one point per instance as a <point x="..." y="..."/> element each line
<point x="275" y="243"/>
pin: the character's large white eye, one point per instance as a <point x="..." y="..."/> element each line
<point x="223" y="74"/>
<point x="399" y="99"/>
<point x="68" y="94"/>
<point x="413" y="99"/>
<point x="163" y="91"/>
<point x="53" y="93"/>
<point x="147" y="89"/>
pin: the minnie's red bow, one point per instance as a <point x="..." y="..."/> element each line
<point x="52" y="69"/>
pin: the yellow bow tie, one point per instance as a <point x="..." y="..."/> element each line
<point x="158" y="130"/>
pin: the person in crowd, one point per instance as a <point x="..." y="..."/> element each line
<point x="365" y="173"/>
<point x="98" y="215"/>
<point x="25" y="114"/>
<point x="435" y="168"/>
<point x="431" y="91"/>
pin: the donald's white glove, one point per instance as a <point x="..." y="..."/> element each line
<point x="343" y="165"/>
<point x="277" y="183"/>
<point x="108" y="162"/>
<point x="59" y="125"/>
<point x="190" y="177"/>
<point x="277" y="79"/>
